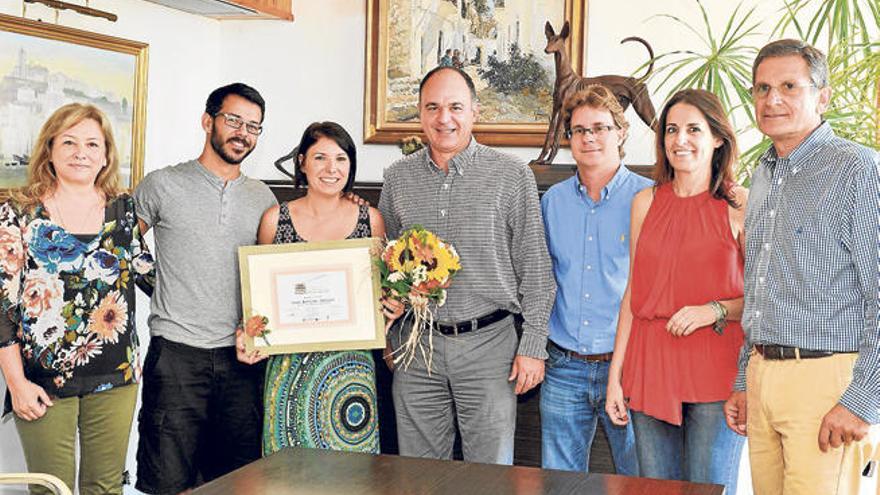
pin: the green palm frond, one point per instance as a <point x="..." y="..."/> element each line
<point x="854" y="112"/>
<point x="722" y="67"/>
<point x="723" y="64"/>
<point x="837" y="22"/>
<point x="748" y="160"/>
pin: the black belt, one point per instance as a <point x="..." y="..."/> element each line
<point x="470" y="325"/>
<point x="778" y="352"/>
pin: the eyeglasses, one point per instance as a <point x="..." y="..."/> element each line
<point x="784" y="89"/>
<point x="235" y="122"/>
<point x="598" y="130"/>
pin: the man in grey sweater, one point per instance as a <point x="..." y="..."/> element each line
<point x="201" y="414"/>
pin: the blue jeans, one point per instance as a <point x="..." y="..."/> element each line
<point x="703" y="449"/>
<point x="572" y="402"/>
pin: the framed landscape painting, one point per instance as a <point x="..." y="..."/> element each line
<point x="498" y="43"/>
<point x="44" y="66"/>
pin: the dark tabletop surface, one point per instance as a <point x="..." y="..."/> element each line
<point x="314" y="472"/>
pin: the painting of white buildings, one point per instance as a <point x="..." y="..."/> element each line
<point x="38" y="75"/>
<point x="491" y="40"/>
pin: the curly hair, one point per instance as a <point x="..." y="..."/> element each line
<point x="596" y="96"/>
<point x="41" y="173"/>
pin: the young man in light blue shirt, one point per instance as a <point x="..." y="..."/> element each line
<point x="586" y="220"/>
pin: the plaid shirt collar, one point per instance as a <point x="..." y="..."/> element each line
<point x="814" y="141"/>
<point x="459" y="162"/>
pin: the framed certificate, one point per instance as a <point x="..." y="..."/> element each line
<point x="315" y="296"/>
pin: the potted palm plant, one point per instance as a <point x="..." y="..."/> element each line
<point x="844" y="29"/>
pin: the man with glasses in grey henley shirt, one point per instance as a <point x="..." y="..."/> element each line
<point x="202" y="408"/>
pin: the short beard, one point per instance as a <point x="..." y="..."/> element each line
<point x="218" y="148"/>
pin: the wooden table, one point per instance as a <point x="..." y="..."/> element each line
<point x="322" y="472"/>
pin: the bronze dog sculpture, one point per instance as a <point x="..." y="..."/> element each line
<point x="629" y="90"/>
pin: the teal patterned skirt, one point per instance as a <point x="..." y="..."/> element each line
<point x="323" y="400"/>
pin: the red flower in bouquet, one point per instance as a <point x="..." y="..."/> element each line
<point x="255" y="326"/>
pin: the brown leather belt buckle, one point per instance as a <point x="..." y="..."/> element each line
<point x="781" y="352"/>
<point x="592" y="358"/>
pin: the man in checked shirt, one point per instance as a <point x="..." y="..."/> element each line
<point x="485" y="203"/>
<point x="808" y="391"/>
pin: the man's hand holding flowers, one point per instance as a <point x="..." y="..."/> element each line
<point x="416" y="269"/>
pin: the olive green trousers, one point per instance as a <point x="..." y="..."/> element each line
<point x="103" y="421"/>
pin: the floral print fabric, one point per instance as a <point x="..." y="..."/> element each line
<point x="68" y="300"/>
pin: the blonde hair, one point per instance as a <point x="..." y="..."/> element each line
<point x="41" y="173"/>
<point x="596" y="96"/>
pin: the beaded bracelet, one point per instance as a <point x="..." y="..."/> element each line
<point x="720" y="317"/>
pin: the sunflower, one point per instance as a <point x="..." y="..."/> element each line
<point x="394" y="255"/>
<point x="109" y="319"/>
<point x="447" y="264"/>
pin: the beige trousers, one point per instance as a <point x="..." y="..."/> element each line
<point x="787" y="400"/>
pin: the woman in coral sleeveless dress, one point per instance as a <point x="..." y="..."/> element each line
<point x="675" y="356"/>
<point x="323" y="400"/>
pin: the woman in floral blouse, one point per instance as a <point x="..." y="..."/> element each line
<point x="70" y="255"/>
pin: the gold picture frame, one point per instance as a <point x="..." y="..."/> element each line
<point x="315" y="296"/>
<point x="47" y="66"/>
<point x="390" y="111"/>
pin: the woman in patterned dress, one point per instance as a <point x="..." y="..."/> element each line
<point x="70" y="256"/>
<point x="322" y="400"/>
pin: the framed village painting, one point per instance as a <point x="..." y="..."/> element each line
<point x="44" y="66"/>
<point x="499" y="43"/>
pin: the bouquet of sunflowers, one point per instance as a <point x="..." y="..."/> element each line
<point x="416" y="269"/>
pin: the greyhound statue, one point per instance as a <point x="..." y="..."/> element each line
<point x="629" y="90"/>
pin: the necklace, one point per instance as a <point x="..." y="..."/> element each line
<point x="87" y="219"/>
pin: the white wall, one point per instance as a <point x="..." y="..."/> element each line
<point x="313" y="69"/>
<point x="317" y="69"/>
<point x="319" y="61"/>
<point x="184" y="65"/>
